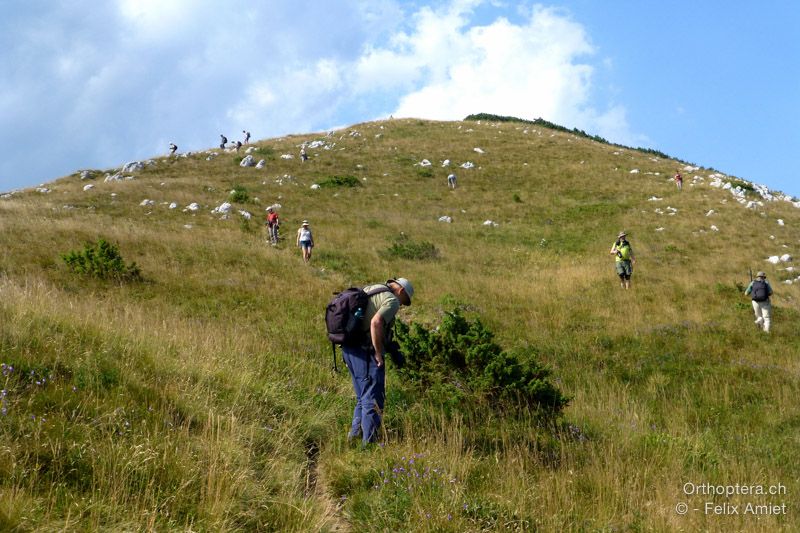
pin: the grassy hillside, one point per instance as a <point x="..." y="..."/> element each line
<point x="201" y="398"/>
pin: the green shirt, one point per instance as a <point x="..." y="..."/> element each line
<point x="625" y="251"/>
<point x="384" y="304"/>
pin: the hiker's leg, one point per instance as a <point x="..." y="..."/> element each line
<point x="757" y="311"/>
<point x="357" y="366"/>
<point x="766" y="312"/>
<point x="372" y="401"/>
<point x="628" y="274"/>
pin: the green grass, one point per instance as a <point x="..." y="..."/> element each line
<point x="201" y="397"/>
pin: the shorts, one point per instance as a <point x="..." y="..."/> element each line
<point x="306" y="244"/>
<point x="624" y="269"/>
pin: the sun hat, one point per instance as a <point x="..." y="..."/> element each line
<point x="622" y="234"/>
<point x="305" y="223"/>
<point x="761" y="274"/>
<point x="403" y="282"/>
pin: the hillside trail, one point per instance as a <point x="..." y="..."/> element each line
<point x="317" y="489"/>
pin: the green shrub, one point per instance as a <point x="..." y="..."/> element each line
<point x="264" y="151"/>
<point x="744" y="185"/>
<point x="239" y="194"/>
<point x="404" y="248"/>
<point x="340" y="181"/>
<point x="460" y="357"/>
<point x="103" y="261"/>
<point x="425" y="172"/>
<point x="517" y="198"/>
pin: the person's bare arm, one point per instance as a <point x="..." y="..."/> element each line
<point x="376" y="329"/>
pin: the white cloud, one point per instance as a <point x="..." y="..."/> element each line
<point x="446" y="69"/>
<point x="528" y="70"/>
<point x="158" y="19"/>
<point x="296" y="95"/>
<point x="117" y="81"/>
<point x="441" y="65"/>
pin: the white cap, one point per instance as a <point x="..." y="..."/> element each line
<point x="403" y="282"/>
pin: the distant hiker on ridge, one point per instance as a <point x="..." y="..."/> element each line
<point x="222" y="141"/>
<point x="305" y="241"/>
<point x="760" y="291"/>
<point x="303" y="155"/>
<point x="173" y="148"/>
<point x="679" y="180"/>
<point x="246" y="136"/>
<point x="365" y="362"/>
<point x="624" y="259"/>
<point x="238" y="145"/>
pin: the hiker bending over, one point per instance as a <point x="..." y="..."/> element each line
<point x="305" y="241"/>
<point x="273" y="223"/>
<point x="173" y="148"/>
<point x="366" y="362"/>
<point x="760" y="291"/>
<point x="624" y="260"/>
<point x="451" y="181"/>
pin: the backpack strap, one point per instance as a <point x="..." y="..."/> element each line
<point x="378" y="290"/>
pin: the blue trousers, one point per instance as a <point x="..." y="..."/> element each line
<point x="369" y="384"/>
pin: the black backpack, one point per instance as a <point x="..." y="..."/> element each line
<point x="344" y="314"/>
<point x="760" y="292"/>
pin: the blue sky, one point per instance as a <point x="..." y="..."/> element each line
<point x="97" y="84"/>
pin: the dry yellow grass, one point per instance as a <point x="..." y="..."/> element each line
<point x="218" y="361"/>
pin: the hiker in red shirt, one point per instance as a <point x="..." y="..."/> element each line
<point x="679" y="180"/>
<point x="272" y="225"/>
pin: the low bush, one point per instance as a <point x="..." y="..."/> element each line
<point x="340" y="181"/>
<point x="460" y="359"/>
<point x="239" y="194"/>
<point x="101" y="260"/>
<point x="404" y="248"/>
<point x="744" y="185"/>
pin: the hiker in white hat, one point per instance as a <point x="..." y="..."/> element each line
<point x="366" y="363"/>
<point x="305" y="240"/>
<point x="760" y="291"/>
<point x="624" y="259"/>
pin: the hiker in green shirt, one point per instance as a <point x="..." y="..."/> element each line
<point x="624" y="259"/>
